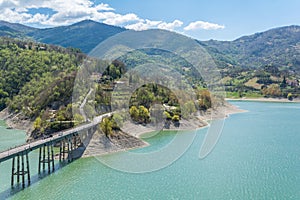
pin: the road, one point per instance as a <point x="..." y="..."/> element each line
<point x="83" y="104"/>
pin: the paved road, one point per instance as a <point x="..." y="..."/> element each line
<point x="5" y="155"/>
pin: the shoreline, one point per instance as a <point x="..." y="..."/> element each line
<point x="133" y="137"/>
<point x="98" y="144"/>
<point x="199" y="122"/>
<point x="104" y="153"/>
<point x="279" y="100"/>
<point x="16" y="121"/>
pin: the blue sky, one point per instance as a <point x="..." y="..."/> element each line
<point x="201" y="19"/>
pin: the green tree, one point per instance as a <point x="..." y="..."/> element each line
<point x="145" y="97"/>
<point x="134" y="113"/>
<point x="290" y="96"/>
<point x="175" y="118"/>
<point x="106" y="126"/>
<point x="167" y="115"/>
<point x="144" y="114"/>
<point x="37" y="124"/>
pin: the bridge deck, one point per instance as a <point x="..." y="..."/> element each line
<point x="12" y="152"/>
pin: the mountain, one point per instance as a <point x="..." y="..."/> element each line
<point x="279" y="47"/>
<point x="14" y="30"/>
<point x="84" y="35"/>
<point x="9" y="32"/>
<point x="17" y="27"/>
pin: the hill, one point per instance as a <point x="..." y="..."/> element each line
<point x="277" y="47"/>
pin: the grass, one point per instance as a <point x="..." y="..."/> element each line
<point x="232" y="95"/>
<point x="236" y="95"/>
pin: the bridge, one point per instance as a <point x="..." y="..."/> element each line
<point x="68" y="140"/>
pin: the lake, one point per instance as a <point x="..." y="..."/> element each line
<point x="257" y="157"/>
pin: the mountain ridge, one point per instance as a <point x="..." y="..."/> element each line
<point x="277" y="46"/>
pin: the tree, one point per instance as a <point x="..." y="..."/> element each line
<point x="140" y="115"/>
<point x="106" y="126"/>
<point x="272" y="91"/>
<point x="167" y="115"/>
<point x="175" y="118"/>
<point x="290" y="96"/>
<point x="145" y="97"/>
<point x="134" y="113"/>
<point x="204" y="99"/>
<point x="37" y="124"/>
<point x="144" y="114"/>
<point x="283" y="83"/>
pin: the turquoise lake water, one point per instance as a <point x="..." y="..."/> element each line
<point x="257" y="157"/>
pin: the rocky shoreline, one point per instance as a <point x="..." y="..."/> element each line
<point x="99" y="144"/>
<point x="16" y="121"/>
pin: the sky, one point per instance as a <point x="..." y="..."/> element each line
<point x="200" y="19"/>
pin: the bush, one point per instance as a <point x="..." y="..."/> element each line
<point x="290" y="96"/>
<point x="175" y="118"/>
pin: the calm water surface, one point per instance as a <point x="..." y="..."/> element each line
<point x="257" y="157"/>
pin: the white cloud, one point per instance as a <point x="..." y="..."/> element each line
<point x="66" y="11"/>
<point x="8" y="3"/>
<point x="203" y="25"/>
<point x="14" y="16"/>
<point x="170" y="26"/>
<point x="38" y="18"/>
<point x="118" y="19"/>
<point x="148" y="24"/>
<point x="143" y="25"/>
<point x="104" y="7"/>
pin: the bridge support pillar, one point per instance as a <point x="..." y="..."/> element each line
<point x="20" y="173"/>
<point x="90" y="131"/>
<point x="70" y="154"/>
<point x="77" y="141"/>
<point x="67" y="147"/>
<point x="49" y="160"/>
<point x="63" y="149"/>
